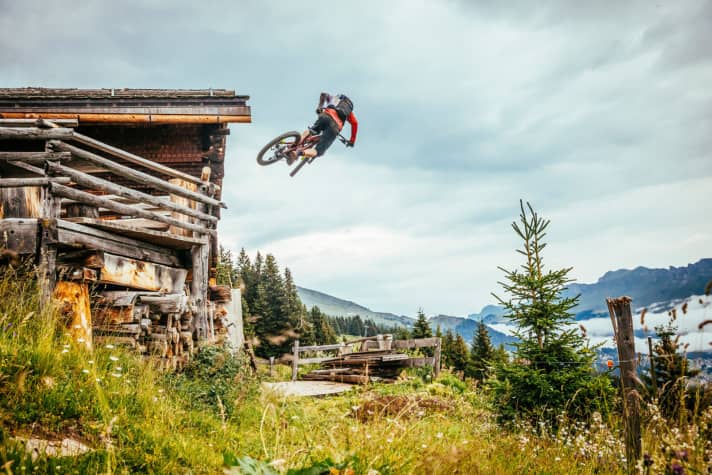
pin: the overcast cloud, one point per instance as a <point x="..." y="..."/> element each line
<point x="598" y="113"/>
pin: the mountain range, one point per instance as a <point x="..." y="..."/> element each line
<point x="660" y="289"/>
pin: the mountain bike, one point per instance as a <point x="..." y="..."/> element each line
<point x="281" y="147"/>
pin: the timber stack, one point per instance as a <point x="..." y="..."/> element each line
<point x="380" y="359"/>
<point x="116" y="196"/>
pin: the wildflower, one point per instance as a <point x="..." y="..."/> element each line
<point x="682" y="455"/>
<point x="424" y="446"/>
<point x="118" y="368"/>
<point x="389" y="440"/>
<point x="368" y="436"/>
<point x="677" y="469"/>
<point x="439" y="435"/>
<point x="65" y="346"/>
<point x="90" y="361"/>
<point x="65" y="351"/>
<point x="647" y="460"/>
<point x="109" y="346"/>
<point x="113" y="358"/>
<point x="116" y="375"/>
<point x="85" y="371"/>
<point x="81" y="340"/>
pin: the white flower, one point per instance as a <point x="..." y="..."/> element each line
<point x="90" y="361"/>
<point x="118" y="368"/>
<point x="116" y="375"/>
<point x="439" y="435"/>
<point x="113" y="358"/>
<point x="389" y="440"/>
<point x="109" y="346"/>
<point x="424" y="446"/>
<point x="85" y="371"/>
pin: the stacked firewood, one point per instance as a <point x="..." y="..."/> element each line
<point x="362" y="367"/>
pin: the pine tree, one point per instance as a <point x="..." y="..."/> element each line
<point x="226" y="270"/>
<point x="447" y="349"/>
<point x="553" y="368"/>
<point x="422" y="329"/>
<point x="481" y="355"/>
<point x="459" y="353"/>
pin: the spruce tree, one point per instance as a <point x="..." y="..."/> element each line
<point x="481" y="354"/>
<point x="421" y="328"/>
<point x="553" y="368"/>
<point x="459" y="353"/>
<point x="446" y="349"/>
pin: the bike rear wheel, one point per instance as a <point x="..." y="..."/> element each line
<point x="276" y="149"/>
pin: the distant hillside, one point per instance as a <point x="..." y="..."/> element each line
<point x="337" y="307"/>
<point x="467" y="327"/>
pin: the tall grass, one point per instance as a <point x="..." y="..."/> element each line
<point x="138" y="419"/>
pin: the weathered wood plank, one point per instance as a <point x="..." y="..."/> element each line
<point x="161" y="238"/>
<point x="143" y="275"/>
<point x="20" y="202"/>
<point x="134" y="175"/>
<point x="77" y="235"/>
<point x="95" y="183"/>
<point x="35" y="133"/>
<point x="126" y="210"/>
<point x="19" y="235"/>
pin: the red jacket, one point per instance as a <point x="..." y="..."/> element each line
<point x="351" y="119"/>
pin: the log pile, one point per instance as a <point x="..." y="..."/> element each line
<point x="362" y="367"/>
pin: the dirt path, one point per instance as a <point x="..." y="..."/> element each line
<point x="307" y="388"/>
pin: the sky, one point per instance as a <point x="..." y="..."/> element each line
<point x="597" y="113"/>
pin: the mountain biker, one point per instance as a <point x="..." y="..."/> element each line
<point x="333" y="110"/>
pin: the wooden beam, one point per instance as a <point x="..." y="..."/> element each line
<point x="96" y="183"/>
<point x="135" y="159"/>
<point x="137" y="274"/>
<point x="199" y="289"/>
<point x="124" y="227"/>
<point x="36" y="122"/>
<point x="135" y="175"/>
<point x="20" y="182"/>
<point x="76" y="235"/>
<point x="34" y="157"/>
<point x="135" y="115"/>
<point x="34" y="133"/>
<point x="126" y="210"/>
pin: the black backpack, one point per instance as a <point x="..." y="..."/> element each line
<point x="344" y="107"/>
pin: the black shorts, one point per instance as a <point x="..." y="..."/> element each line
<point x="329" y="130"/>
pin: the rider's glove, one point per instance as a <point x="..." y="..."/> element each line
<point x="349" y="144"/>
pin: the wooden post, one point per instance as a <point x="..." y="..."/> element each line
<point x="436" y="357"/>
<point x="295" y="360"/>
<point x="199" y="290"/>
<point x="653" y="377"/>
<point x="620" y="312"/>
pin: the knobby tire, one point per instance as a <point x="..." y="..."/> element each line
<point x="275" y="157"/>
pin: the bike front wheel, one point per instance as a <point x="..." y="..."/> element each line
<point x="277" y="148"/>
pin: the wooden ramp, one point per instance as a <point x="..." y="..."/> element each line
<point x="307" y="388"/>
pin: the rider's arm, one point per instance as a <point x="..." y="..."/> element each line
<point x="351" y="119"/>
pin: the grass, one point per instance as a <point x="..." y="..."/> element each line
<point x="141" y="420"/>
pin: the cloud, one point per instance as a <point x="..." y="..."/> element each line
<point x="599" y="114"/>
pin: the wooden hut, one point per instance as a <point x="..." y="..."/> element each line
<point x="116" y="193"/>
